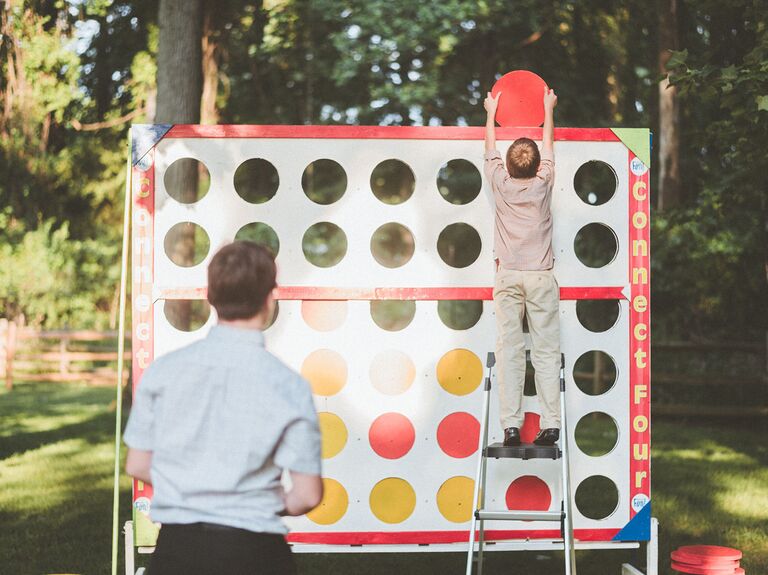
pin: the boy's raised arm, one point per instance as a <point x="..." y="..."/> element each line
<point x="491" y="104"/>
<point x="548" y="138"/>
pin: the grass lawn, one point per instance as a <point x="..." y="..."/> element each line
<point x="710" y="486"/>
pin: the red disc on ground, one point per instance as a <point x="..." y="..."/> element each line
<point x="528" y="493"/>
<point x="522" y="99"/>
<point x="703" y="560"/>
<point x="711" y="551"/>
<point x="391" y="435"/>
<point x="530" y="427"/>
<point x="700" y="570"/>
<point x="458" y="434"/>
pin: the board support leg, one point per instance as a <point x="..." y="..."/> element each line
<point x="128" y="542"/>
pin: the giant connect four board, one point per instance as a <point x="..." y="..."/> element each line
<point x="384" y="241"/>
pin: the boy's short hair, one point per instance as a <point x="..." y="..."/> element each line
<point x="523" y="158"/>
<point x="240" y="277"/>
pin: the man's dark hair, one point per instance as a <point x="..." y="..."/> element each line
<point x="523" y="158"/>
<point x="240" y="277"/>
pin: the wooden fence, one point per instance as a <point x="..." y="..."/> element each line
<point x="27" y="354"/>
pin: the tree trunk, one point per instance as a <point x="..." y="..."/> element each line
<point x="179" y="62"/>
<point x="179" y="75"/>
<point x="209" y="114"/>
<point x="670" y="191"/>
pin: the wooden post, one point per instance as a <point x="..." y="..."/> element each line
<point x="3" y="351"/>
<point x="63" y="358"/>
<point x="597" y="373"/>
<point x="10" y="351"/>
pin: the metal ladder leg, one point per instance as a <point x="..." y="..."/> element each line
<point x="568" y="542"/>
<point x="481" y="473"/>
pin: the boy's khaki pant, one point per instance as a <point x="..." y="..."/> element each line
<point x="537" y="295"/>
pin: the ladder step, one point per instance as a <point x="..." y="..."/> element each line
<point x="524" y="451"/>
<point x="518" y="515"/>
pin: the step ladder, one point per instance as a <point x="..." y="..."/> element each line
<point x="525" y="451"/>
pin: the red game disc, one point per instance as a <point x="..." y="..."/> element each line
<point x="711" y="552"/>
<point x="703" y="560"/>
<point x="522" y="99"/>
<point x="700" y="570"/>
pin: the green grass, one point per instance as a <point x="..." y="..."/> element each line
<point x="710" y="486"/>
<point x="56" y="465"/>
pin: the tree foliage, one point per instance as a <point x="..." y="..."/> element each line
<point x="75" y="73"/>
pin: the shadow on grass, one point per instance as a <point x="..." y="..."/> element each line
<point x="94" y="430"/>
<point x="710" y="486"/>
<point x="56" y="469"/>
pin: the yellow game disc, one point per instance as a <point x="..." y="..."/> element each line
<point x="334" y="504"/>
<point x="392" y="500"/>
<point x="326" y="371"/>
<point x="392" y="372"/>
<point x="459" y="372"/>
<point x="454" y="499"/>
<point x="333" y="433"/>
<point x="324" y="315"/>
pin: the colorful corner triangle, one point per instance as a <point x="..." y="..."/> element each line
<point x="144" y="137"/>
<point x="638" y="140"/>
<point x="638" y="528"/>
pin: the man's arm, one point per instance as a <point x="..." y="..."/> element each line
<point x="138" y="464"/>
<point x="305" y="494"/>
<point x="550" y="101"/>
<point x="491" y="104"/>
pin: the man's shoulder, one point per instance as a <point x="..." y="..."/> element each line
<point x="172" y="361"/>
<point x="281" y="371"/>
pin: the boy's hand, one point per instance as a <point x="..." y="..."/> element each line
<point x="491" y="104"/>
<point x="550" y="99"/>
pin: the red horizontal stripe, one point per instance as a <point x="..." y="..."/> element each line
<point x="435" y="537"/>
<point x="384" y="132"/>
<point x="394" y="293"/>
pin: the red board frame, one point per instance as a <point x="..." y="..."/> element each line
<point x="143" y="175"/>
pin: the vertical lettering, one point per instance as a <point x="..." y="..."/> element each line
<point x="142" y="332"/>
<point x="143" y="246"/>
<point x="640" y="304"/>
<point x="640" y="424"/>
<point x="639" y="190"/>
<point x="639" y="220"/>
<point x="640" y="356"/>
<point x="640" y="452"/>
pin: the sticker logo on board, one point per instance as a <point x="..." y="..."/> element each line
<point x="142" y="504"/>
<point x="639" y="501"/>
<point x="638" y="167"/>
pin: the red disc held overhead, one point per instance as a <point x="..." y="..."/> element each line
<point x="711" y="552"/>
<point x="700" y="570"/>
<point x="522" y="99"/>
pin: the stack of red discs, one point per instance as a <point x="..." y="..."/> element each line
<point x="707" y="560"/>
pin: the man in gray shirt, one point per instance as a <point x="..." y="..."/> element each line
<point x="214" y="425"/>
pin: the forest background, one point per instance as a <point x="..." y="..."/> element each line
<point x="74" y="74"/>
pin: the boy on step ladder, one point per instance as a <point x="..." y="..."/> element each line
<point x="525" y="283"/>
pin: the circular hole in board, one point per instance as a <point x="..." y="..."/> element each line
<point x="187" y="180"/>
<point x="256" y="181"/>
